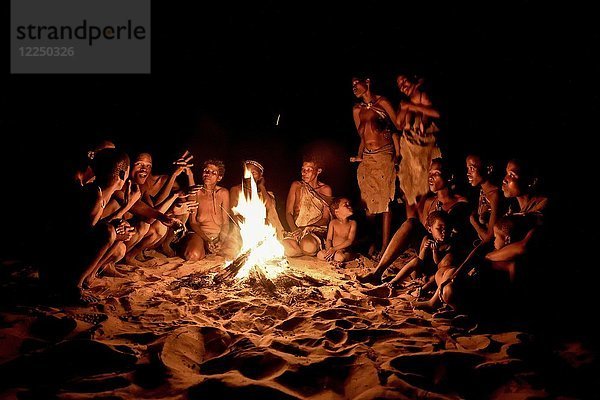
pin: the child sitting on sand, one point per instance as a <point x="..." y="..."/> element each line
<point x="458" y="288"/>
<point x="340" y="234"/>
<point x="436" y="251"/>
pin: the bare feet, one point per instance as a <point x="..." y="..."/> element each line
<point x="428" y="305"/>
<point x="86" y="297"/>
<point x="381" y="291"/>
<point x="369" y="278"/>
<point x="111" y="271"/>
<point x="131" y="260"/>
<point x="167" y="250"/>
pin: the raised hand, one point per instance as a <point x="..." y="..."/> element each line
<point x="124" y="231"/>
<point x="133" y="193"/>
<point x="183" y="164"/>
<point x="185" y="207"/>
<point x="193" y="190"/>
<point x="184" y="160"/>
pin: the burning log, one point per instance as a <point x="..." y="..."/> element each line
<point x="262" y="280"/>
<point x="232" y="269"/>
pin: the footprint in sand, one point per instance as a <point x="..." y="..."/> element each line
<point x="254" y="364"/>
<point x="291" y="323"/>
<point x="187" y="348"/>
<point x="336" y="336"/>
<point x="319" y="377"/>
<point x="370" y="335"/>
<point x="344" y="324"/>
<point x="474" y="343"/>
<point x="359" y="323"/>
<point x="334" y="313"/>
<point x="277" y="312"/>
<point x="289" y="348"/>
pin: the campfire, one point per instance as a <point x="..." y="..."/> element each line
<point x="261" y="252"/>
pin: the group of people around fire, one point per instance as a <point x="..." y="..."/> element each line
<point x="454" y="250"/>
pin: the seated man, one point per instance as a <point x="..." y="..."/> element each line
<point x="307" y="212"/>
<point x="162" y="199"/>
<point x="257" y="171"/>
<point x="210" y="221"/>
<point x="160" y="187"/>
<point x="149" y="221"/>
<point x="100" y="236"/>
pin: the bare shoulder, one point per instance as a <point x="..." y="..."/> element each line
<point x="461" y="199"/>
<point x="234" y="193"/>
<point x="494" y="195"/>
<point x="222" y="192"/>
<point x="160" y="181"/>
<point x="235" y="189"/>
<point x="425" y="202"/>
<point x="325" y="189"/>
<point x="295" y="185"/>
<point x="384" y="101"/>
<point x="424" y="98"/>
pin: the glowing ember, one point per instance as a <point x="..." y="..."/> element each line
<point x="260" y="238"/>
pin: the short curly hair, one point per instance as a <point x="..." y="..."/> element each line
<point x="217" y="163"/>
<point x="435" y="216"/>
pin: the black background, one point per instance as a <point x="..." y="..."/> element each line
<point x="517" y="79"/>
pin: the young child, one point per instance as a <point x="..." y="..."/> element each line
<point x="507" y="230"/>
<point x="460" y="291"/>
<point x="436" y="252"/>
<point x="340" y="234"/>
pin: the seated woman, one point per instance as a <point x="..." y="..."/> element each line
<point x="436" y="252"/>
<point x="443" y="199"/>
<point x="307" y="212"/>
<point x="515" y="237"/>
<point x="489" y="202"/>
<point x="520" y="184"/>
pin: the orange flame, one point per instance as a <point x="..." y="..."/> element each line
<point x="267" y="253"/>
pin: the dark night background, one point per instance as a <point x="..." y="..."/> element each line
<point x="517" y="79"/>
